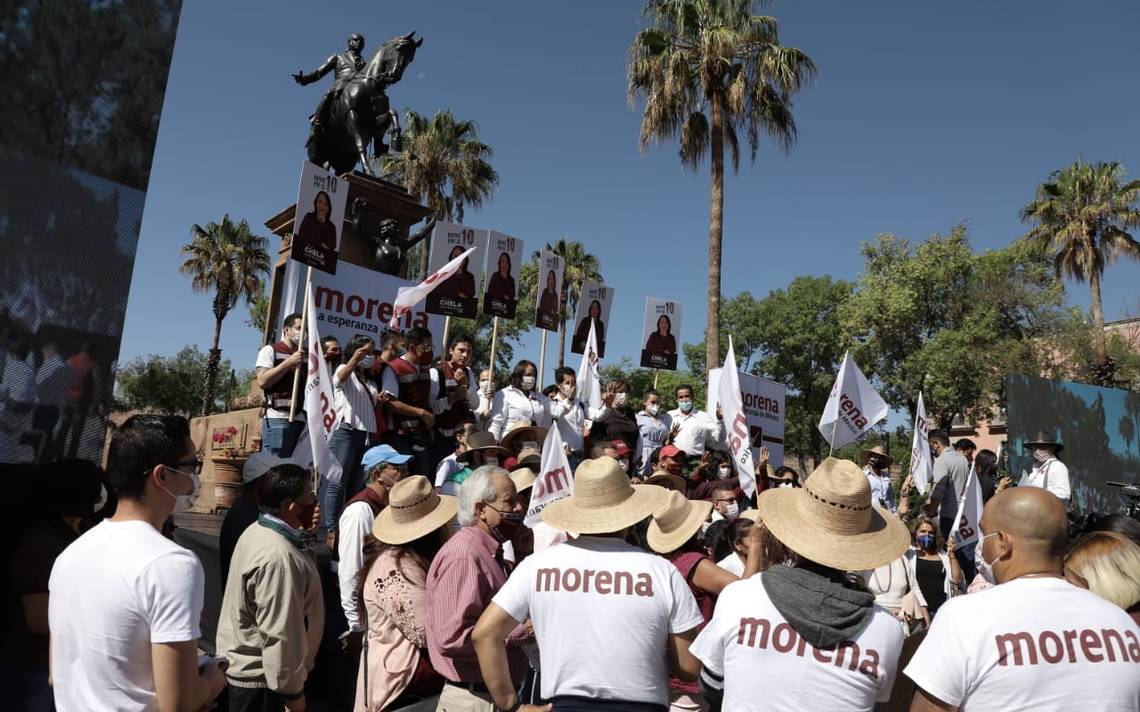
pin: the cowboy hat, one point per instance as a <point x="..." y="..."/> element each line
<point x="604" y="501"/>
<point x="878" y="453"/>
<point x="414" y="510"/>
<point x="1043" y="439"/>
<point x="676" y="483"/>
<point x="480" y="442"/>
<point x="529" y="457"/>
<point x="525" y="436"/>
<point x="523" y="478"/>
<point x="831" y="521"/>
<point x="676" y="522"/>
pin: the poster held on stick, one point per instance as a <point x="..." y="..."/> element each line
<point x="321" y="201"/>
<point x="661" y="333"/>
<point x="548" y="302"/>
<point x="504" y="262"/>
<point x="408" y="297"/>
<point x="304" y="325"/>
<point x="542" y="362"/>
<point x="594" y="303"/>
<point x="458" y="293"/>
<point x="853" y="407"/>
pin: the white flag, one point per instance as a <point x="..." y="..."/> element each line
<point x="965" y="529"/>
<point x="589" y="384"/>
<point x="408" y="297"/>
<point x="921" y="466"/>
<point x="555" y="479"/>
<point x="736" y="422"/>
<point x="852" y="408"/>
<point x="319" y="409"/>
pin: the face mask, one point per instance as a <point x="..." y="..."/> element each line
<point x="984" y="567"/>
<point x="426" y="358"/>
<point x="184" y="502"/>
<point x="652" y="409"/>
<point x="484" y="385"/>
<point x="367" y="362"/>
<point x="926" y="541"/>
<point x="624" y="464"/>
<point x="731" y="510"/>
<point x="103" y="497"/>
<point x="510" y="523"/>
<point x="527" y="382"/>
<point x="1040" y="454"/>
<point x="685" y="406"/>
<point x="723" y="472"/>
<point x="620" y="398"/>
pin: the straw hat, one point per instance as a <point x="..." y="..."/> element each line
<point x="523" y="478"/>
<point x="604" y="501"/>
<point x="524" y="436"/>
<point x="879" y="453"/>
<point x="676" y="522"/>
<point x="675" y="483"/>
<point x="414" y="509"/>
<point x="481" y="442"/>
<point x="753" y="514"/>
<point x="1043" y="439"/>
<point x="530" y="457"/>
<point x="831" y="520"/>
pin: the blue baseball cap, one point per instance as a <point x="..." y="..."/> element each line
<point x="383" y="455"/>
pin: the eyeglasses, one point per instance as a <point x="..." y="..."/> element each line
<point x="194" y="467"/>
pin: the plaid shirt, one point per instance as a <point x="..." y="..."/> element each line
<point x="464" y="576"/>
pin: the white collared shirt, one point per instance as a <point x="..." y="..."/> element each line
<point x="698" y="431"/>
<point x="1052" y="475"/>
<point x="572" y="422"/>
<point x="511" y="406"/>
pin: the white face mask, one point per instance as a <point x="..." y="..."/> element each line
<point x="723" y="472"/>
<point x="527" y="382"/>
<point x="1041" y="454"/>
<point x="652" y="408"/>
<point x="620" y="398"/>
<point x="984" y="567"/>
<point x="367" y="362"/>
<point x="731" y="510"/>
<point x="184" y="502"/>
<point x="103" y="497"/>
<point x="484" y="385"/>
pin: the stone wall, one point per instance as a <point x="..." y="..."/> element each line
<point x="248" y="424"/>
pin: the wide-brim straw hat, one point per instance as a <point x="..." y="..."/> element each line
<point x="481" y="442"/>
<point x="414" y="510"/>
<point x="669" y="481"/>
<point x="1043" y="438"/>
<point x="676" y="522"/>
<point x="604" y="501"/>
<point x="523" y="478"/>
<point x="752" y="514"/>
<point x="879" y="454"/>
<point x="524" y="434"/>
<point x="831" y="521"/>
<point x="529" y="457"/>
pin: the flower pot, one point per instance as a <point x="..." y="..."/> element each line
<point x="227" y="480"/>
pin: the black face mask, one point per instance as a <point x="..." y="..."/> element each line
<point x="509" y="526"/>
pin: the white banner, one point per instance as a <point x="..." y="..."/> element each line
<point x="554" y="481"/>
<point x="589" y="383"/>
<point x="852" y="408"/>
<point x="736" y="423"/>
<point x="408" y="297"/>
<point x="965" y="527"/>
<point x="764" y="409"/>
<point x="921" y="466"/>
<point x="319" y="409"/>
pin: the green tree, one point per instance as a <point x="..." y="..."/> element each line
<point x="175" y="384"/>
<point x="708" y="71"/>
<point x="1082" y="213"/>
<point x="579" y="265"/>
<point x="259" y="310"/>
<point x="642" y="379"/>
<point x="227" y="259"/>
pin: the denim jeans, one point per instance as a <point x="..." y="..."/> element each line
<point x="279" y="435"/>
<point x="347" y="445"/>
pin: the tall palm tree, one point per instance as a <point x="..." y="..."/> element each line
<point x="1082" y="213"/>
<point x="709" y="70"/>
<point x="228" y="259"/>
<point x="444" y="163"/>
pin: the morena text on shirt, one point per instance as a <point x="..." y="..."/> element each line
<point x="621" y="583"/>
<point x="1051" y="647"/>
<point x="759" y="633"/>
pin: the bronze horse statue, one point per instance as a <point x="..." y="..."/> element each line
<point x="360" y="115"/>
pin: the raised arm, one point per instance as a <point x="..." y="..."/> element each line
<point x="303" y="79"/>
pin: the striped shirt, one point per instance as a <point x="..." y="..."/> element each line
<point x="355" y="401"/>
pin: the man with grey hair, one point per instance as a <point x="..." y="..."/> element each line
<point x="464" y="576"/>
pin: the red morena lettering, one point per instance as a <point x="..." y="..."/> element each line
<point x="755" y="401"/>
<point x="848" y="407"/>
<point x="1068" y="646"/>
<point x="620" y="583"/>
<point x="759" y="633"/>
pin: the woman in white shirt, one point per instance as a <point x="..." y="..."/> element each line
<point x="354" y="397"/>
<point x="896" y="589"/>
<point x="519" y="403"/>
<point x="652" y="431"/>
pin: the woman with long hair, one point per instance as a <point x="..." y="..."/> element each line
<point x="662" y="340"/>
<point x="501" y="285"/>
<point x="582" y="333"/>
<point x="937" y="572"/>
<point x="317" y="228"/>
<point x="548" y="302"/>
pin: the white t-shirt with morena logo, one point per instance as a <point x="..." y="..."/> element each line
<point x="1036" y="644"/>
<point x="767" y="666"/>
<point x="603" y="611"/>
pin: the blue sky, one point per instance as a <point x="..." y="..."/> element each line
<point x="924" y="115"/>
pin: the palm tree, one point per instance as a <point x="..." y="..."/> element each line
<point x="1082" y="213"/>
<point x="709" y="70"/>
<point x="444" y="164"/>
<point x="229" y="259"/>
<point x="579" y="266"/>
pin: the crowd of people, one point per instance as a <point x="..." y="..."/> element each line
<point x="661" y="582"/>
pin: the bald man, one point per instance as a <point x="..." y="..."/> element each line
<point x="1034" y="641"/>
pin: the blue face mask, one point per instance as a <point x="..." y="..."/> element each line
<point x="926" y="541"/>
<point x="685" y="406"/>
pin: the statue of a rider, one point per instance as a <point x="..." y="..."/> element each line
<point x="347" y="65"/>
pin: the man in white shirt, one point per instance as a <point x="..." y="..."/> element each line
<point x="125" y="601"/>
<point x="572" y="423"/>
<point x="1033" y="641"/>
<point x="50" y="397"/>
<point x="276" y="365"/>
<point x="581" y="592"/>
<point x="693" y="430"/>
<point x="1047" y="472"/>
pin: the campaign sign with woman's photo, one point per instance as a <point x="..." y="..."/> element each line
<point x="549" y="291"/>
<point x="594" y="303"/>
<point x="458" y="295"/>
<point x="320" y="213"/>
<point x="504" y="261"/>
<point x="661" y="334"/>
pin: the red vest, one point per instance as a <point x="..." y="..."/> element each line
<point x="279" y="395"/>
<point x="415" y="390"/>
<point x="459" y="411"/>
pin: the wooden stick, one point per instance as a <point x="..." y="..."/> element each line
<point x="301" y="344"/>
<point x="446" y="328"/>
<point x="494" y="342"/>
<point x="542" y="362"/>
<point x="656" y="373"/>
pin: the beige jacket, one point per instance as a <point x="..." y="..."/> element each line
<point x="272" y="613"/>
